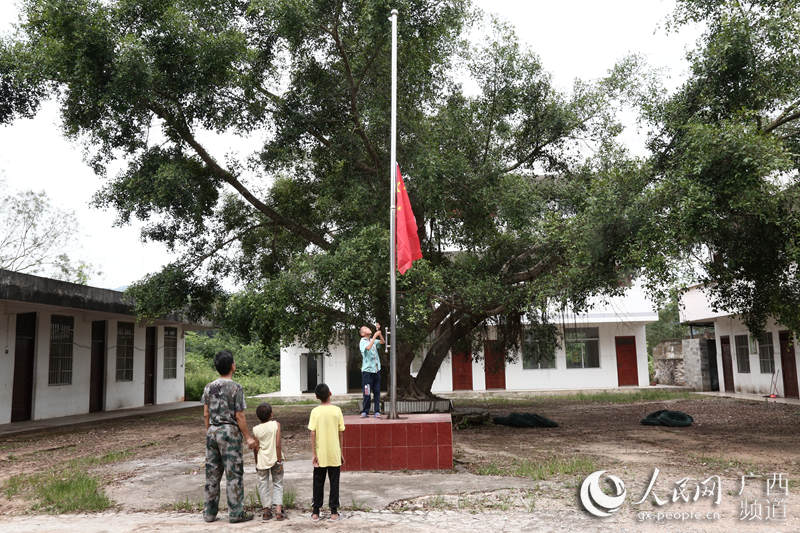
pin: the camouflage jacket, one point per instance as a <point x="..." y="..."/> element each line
<point x="224" y="398"/>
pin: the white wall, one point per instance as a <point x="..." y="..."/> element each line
<point x="290" y="370"/>
<point x="122" y="394"/>
<point x="753" y="382"/>
<point x="695" y="306"/>
<point x="517" y="378"/>
<point x="8" y="325"/>
<point x="170" y="390"/>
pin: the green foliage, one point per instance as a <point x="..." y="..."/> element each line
<point x="725" y="163"/>
<point x="257" y="367"/>
<point x="525" y="181"/>
<point x="667" y="327"/>
<point x="34" y="234"/>
<point x="69" y="490"/>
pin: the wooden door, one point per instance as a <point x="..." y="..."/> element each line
<point x="627" y="368"/>
<point x="97" y="377"/>
<point x="462" y="371"/>
<point x="727" y="363"/>
<point x="788" y="365"/>
<point x="150" y="366"/>
<point x="22" y="393"/>
<point x="494" y="366"/>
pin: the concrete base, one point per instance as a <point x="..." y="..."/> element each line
<point x="412" y="442"/>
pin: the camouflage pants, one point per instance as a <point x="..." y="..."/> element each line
<point x="224" y="454"/>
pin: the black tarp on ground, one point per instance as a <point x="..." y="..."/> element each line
<point x="668" y="418"/>
<point x="525" y="420"/>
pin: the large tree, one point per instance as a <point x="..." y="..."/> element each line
<point x="36" y="237"/>
<point x="726" y="160"/>
<point x="523" y="200"/>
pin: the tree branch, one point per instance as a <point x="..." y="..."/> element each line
<point x="334" y="33"/>
<point x="184" y="133"/>
<point x="788" y="115"/>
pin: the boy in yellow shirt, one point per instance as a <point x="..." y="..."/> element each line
<point x="326" y="424"/>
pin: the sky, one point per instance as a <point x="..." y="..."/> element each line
<point x="573" y="38"/>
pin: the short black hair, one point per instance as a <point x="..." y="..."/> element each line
<point x="223" y="362"/>
<point x="264" y="412"/>
<point x="323" y="392"/>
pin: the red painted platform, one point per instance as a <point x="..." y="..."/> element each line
<point x="414" y="442"/>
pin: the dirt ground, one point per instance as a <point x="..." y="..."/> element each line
<point x="159" y="471"/>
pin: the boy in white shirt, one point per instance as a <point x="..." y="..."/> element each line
<point x="268" y="462"/>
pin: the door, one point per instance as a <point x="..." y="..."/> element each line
<point x="150" y="366"/>
<point x="313" y="371"/>
<point x="462" y="371"/>
<point x="22" y="394"/>
<point x="713" y="374"/>
<point x="494" y="366"/>
<point x="727" y="363"/>
<point x="97" y="377"/>
<point x="788" y="365"/>
<point x="627" y="368"/>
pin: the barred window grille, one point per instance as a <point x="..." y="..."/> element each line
<point x="61" y="334"/>
<point x="170" y="353"/>
<point x="125" y="351"/>
<point x="766" y="353"/>
<point x="583" y="347"/>
<point x="742" y="354"/>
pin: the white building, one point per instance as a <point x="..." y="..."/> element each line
<point x="604" y="348"/>
<point x="766" y="364"/>
<point x="68" y="349"/>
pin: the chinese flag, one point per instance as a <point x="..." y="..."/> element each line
<point x="407" y="243"/>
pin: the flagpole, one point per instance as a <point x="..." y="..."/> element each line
<point x="392" y="227"/>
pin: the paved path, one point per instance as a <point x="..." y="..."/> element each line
<point x="91" y="418"/>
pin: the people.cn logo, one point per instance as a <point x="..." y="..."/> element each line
<point x="596" y="501"/>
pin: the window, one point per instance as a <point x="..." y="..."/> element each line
<point x="170" y="353"/>
<point x="766" y="354"/>
<point x="125" y="351"/>
<point x="538" y="348"/>
<point x="742" y="354"/>
<point x="60" y="368"/>
<point x="583" y="348"/>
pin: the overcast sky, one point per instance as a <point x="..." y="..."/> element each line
<point x="574" y="38"/>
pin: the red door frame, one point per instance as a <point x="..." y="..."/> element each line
<point x="627" y="370"/>
<point x="462" y="371"/>
<point x="494" y="366"/>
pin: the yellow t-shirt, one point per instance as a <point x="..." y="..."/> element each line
<point x="267" y="453"/>
<point x="327" y="421"/>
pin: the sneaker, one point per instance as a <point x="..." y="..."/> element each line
<point x="315" y="517"/>
<point x="245" y="517"/>
<point x="363" y="415"/>
<point x="377" y="415"/>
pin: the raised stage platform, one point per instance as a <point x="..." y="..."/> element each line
<point x="414" y="442"/>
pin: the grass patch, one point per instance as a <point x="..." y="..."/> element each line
<point x="110" y="457"/>
<point x="540" y="470"/>
<point x="358" y="505"/>
<point x="723" y="464"/>
<point x="70" y="492"/>
<point x="14" y="485"/>
<point x="289" y="497"/>
<point x="186" y="506"/>
<point x="652" y="395"/>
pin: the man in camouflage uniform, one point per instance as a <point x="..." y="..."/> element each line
<point x="223" y="410"/>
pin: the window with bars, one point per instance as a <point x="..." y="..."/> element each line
<point x="583" y="347"/>
<point x="125" y="351"/>
<point x="170" y="353"/>
<point x="61" y="332"/>
<point x="766" y="353"/>
<point x="538" y="348"/>
<point x="742" y="354"/>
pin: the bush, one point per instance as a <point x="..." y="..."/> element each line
<point x="257" y="368"/>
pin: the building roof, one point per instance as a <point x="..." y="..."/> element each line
<point x="15" y="286"/>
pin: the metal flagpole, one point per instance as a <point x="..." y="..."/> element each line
<point x="392" y="227"/>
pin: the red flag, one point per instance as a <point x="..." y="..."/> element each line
<point x="408" y="249"/>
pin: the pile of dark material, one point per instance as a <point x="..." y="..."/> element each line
<point x="525" y="420"/>
<point x="668" y="418"/>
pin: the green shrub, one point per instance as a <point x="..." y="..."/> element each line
<point x="255" y="377"/>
